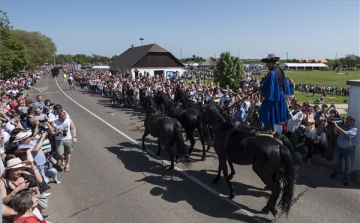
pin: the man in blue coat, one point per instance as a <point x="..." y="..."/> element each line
<point x="273" y="111"/>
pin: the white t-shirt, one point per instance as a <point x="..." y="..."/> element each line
<point x="10" y="126"/>
<point x="6" y="140"/>
<point x="61" y="126"/>
<point x="294" y="121"/>
<point x="52" y="116"/>
<point x="313" y="135"/>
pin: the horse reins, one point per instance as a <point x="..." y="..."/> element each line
<point x="242" y="101"/>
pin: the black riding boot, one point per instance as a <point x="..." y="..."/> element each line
<point x="267" y="129"/>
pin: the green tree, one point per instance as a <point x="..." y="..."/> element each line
<point x="13" y="56"/>
<point x="350" y="60"/>
<point x="40" y="48"/>
<point x="229" y="69"/>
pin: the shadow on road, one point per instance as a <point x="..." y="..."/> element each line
<point x="173" y="187"/>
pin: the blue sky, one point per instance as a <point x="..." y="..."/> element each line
<point x="252" y="29"/>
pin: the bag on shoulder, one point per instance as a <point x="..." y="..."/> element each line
<point x="43" y="187"/>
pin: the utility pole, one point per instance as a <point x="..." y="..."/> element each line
<point x="287" y="56"/>
<point x="180" y="54"/>
<point x="142" y="39"/>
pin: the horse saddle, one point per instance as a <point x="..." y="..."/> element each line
<point x="272" y="134"/>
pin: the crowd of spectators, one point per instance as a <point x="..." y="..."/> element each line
<point x="34" y="138"/>
<point x="309" y="88"/>
<point x="242" y="105"/>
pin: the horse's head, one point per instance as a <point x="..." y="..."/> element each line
<point x="208" y="115"/>
<point x="148" y="101"/>
<point x="152" y="110"/>
<point x="180" y="95"/>
<point x="163" y="98"/>
<point x="223" y="114"/>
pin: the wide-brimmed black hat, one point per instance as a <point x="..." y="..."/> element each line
<point x="270" y="58"/>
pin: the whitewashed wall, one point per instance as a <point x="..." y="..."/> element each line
<point x="151" y="70"/>
<point x="354" y="109"/>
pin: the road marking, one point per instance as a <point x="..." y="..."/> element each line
<point x="41" y="89"/>
<point x="45" y="86"/>
<point x="50" y="92"/>
<point x="211" y="190"/>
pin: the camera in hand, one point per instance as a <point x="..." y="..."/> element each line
<point x="65" y="131"/>
<point x="43" y="121"/>
<point x="32" y="184"/>
<point x="338" y="121"/>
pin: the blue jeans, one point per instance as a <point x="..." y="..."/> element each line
<point x="51" y="172"/>
<point x="42" y="172"/>
<point x="313" y="147"/>
<point x="348" y="154"/>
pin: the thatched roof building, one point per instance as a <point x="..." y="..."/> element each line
<point x="210" y="61"/>
<point x="150" y="58"/>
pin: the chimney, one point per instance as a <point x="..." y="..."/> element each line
<point x="132" y="45"/>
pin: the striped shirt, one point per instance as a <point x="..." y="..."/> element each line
<point x="344" y="141"/>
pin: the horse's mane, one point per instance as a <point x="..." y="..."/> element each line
<point x="151" y="110"/>
<point x="215" y="114"/>
<point x="181" y="96"/>
<point x="163" y="98"/>
<point x="221" y="111"/>
<point x="148" y="101"/>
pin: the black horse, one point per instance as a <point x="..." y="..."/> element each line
<point x="180" y="96"/>
<point x="168" y="132"/>
<point x="189" y="118"/>
<point x="272" y="160"/>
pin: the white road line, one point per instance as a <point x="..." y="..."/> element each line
<point x="211" y="190"/>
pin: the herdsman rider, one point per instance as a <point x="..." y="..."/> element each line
<point x="273" y="111"/>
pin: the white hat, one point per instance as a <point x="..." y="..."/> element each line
<point x="14" y="163"/>
<point x="22" y="135"/>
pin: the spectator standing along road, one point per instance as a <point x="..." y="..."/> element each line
<point x="346" y="143"/>
<point x="63" y="126"/>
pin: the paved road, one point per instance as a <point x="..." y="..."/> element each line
<point x="112" y="180"/>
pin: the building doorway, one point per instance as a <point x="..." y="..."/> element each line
<point x="159" y="73"/>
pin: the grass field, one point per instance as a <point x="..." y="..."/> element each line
<point x="327" y="78"/>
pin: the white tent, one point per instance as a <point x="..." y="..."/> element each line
<point x="305" y="66"/>
<point x="101" y="67"/>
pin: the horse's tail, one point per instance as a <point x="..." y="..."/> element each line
<point x="288" y="182"/>
<point x="287" y="143"/>
<point x="180" y="144"/>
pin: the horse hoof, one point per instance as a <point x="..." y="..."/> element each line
<point x="265" y="210"/>
<point x="274" y="212"/>
<point x="215" y="180"/>
<point x="203" y="159"/>
<point x="230" y="177"/>
<point x="232" y="195"/>
<point x="171" y="168"/>
<point x="144" y="149"/>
